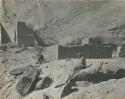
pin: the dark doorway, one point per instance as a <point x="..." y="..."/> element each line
<point x="25" y="35"/>
<point x="4" y="36"/>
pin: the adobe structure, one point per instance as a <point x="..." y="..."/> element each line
<point x="88" y="50"/>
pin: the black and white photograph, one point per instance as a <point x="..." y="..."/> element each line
<point x="62" y="49"/>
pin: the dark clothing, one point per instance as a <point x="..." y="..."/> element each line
<point x="82" y="62"/>
<point x="40" y="58"/>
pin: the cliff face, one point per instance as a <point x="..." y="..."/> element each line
<point x="63" y="20"/>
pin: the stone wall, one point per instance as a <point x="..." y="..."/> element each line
<point x="89" y="51"/>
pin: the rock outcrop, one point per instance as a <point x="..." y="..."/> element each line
<point x="28" y="80"/>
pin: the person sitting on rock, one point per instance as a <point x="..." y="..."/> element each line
<point x="82" y="61"/>
<point x="40" y="58"/>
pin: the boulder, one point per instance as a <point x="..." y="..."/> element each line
<point x="102" y="72"/>
<point x="28" y="80"/>
<point x="67" y="88"/>
<point x="44" y="83"/>
<point x="17" y="71"/>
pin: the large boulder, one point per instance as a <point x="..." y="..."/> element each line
<point x="28" y="80"/>
<point x="44" y="83"/>
<point x="100" y="73"/>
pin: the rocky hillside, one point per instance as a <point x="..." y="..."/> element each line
<point x="64" y="20"/>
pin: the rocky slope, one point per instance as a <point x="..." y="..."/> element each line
<point x="59" y="71"/>
<point x="64" y="20"/>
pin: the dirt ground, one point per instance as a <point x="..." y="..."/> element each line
<point x="59" y="71"/>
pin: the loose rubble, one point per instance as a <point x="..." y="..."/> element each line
<point x="38" y="82"/>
